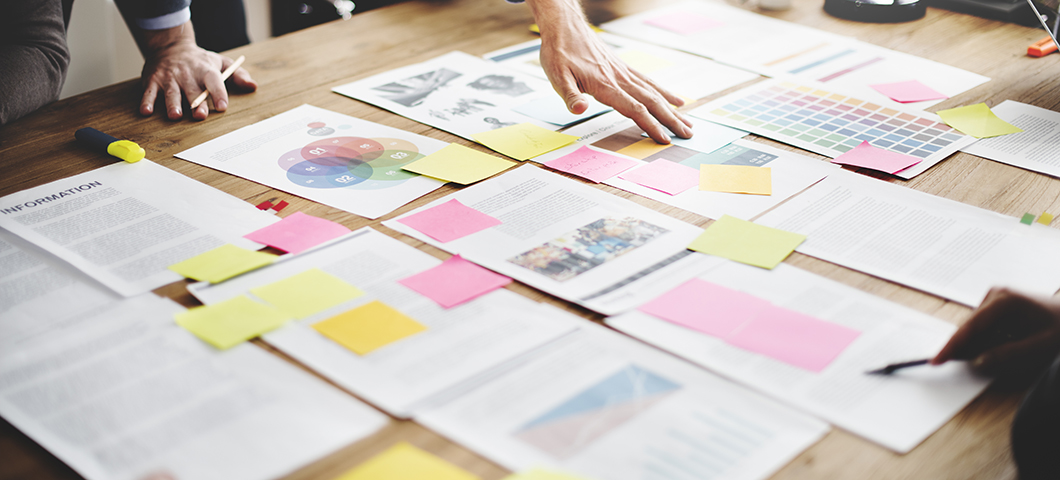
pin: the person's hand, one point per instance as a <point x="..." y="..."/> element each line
<point x="577" y="61"/>
<point x="1010" y="333"/>
<point x="176" y="68"/>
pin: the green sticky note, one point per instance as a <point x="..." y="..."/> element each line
<point x="229" y="323"/>
<point x="369" y="327"/>
<point x="542" y="474"/>
<point x="747" y="242"/>
<point x="404" y="461"/>
<point x="307" y="293"/>
<point x="1028" y="218"/>
<point x="222" y="263"/>
<point x="459" y="164"/>
<point x="523" y="141"/>
<point x="977" y="120"/>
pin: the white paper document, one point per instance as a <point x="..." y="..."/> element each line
<point x="897" y="411"/>
<point x="1034" y="149"/>
<point x="130" y="393"/>
<point x="689" y="76"/>
<point x="571" y="240"/>
<point x="464" y="95"/>
<point x="929" y="243"/>
<point x="604" y="406"/>
<point x="331" y="158"/>
<point x="459" y="344"/>
<point x="123" y="224"/>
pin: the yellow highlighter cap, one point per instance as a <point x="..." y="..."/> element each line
<point x="126" y="150"/>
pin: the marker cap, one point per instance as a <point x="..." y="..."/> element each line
<point x="126" y="150"/>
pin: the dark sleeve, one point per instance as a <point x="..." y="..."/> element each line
<point x="150" y="8"/>
<point x="33" y="56"/>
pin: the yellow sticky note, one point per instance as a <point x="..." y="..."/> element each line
<point x="644" y="62"/>
<point x="222" y="263"/>
<point x="523" y="141"/>
<point x="459" y="164"/>
<point x="736" y="179"/>
<point x="644" y="148"/>
<point x="746" y="242"/>
<point x="977" y="120"/>
<point x="1045" y="218"/>
<point x="542" y="474"/>
<point x="406" y="462"/>
<point x="229" y="323"/>
<point x="307" y="293"/>
<point x="368" y="327"/>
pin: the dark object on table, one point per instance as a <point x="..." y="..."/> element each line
<point x="877" y="11"/>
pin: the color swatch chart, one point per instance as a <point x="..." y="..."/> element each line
<point x="831" y="123"/>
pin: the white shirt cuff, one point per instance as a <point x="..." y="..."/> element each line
<point x="168" y="20"/>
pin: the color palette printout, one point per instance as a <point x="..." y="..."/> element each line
<point x="830" y="123"/>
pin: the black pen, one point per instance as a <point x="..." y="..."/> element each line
<point x="889" y="369"/>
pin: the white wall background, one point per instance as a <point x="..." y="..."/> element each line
<point x="103" y="51"/>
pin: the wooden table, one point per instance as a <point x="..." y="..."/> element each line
<point x="302" y="67"/>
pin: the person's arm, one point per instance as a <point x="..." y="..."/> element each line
<point x="33" y="56"/>
<point x="577" y="61"/>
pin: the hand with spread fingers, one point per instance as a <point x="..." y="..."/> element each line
<point x="577" y="61"/>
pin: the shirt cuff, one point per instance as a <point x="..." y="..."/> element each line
<point x="163" y="22"/>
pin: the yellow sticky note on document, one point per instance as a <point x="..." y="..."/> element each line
<point x="542" y="474"/>
<point x="369" y="327"/>
<point x="459" y="164"/>
<point x="977" y="120"/>
<point x="642" y="149"/>
<point x="644" y="62"/>
<point x="747" y="242"/>
<point x="222" y="263"/>
<point x="229" y="323"/>
<point x="307" y="293"/>
<point x="523" y="141"/>
<point x="736" y="179"/>
<point x="405" y="461"/>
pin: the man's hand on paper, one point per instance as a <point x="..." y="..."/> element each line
<point x="176" y="67"/>
<point x="577" y="61"/>
<point x="1010" y="333"/>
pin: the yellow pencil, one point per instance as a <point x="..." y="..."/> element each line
<point x="224" y="76"/>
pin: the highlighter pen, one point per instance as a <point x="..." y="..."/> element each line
<point x="99" y="141"/>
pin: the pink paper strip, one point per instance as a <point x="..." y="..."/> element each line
<point x="455" y="281"/>
<point x="449" y="221"/>
<point x="685" y="23"/>
<point x="297" y="233"/>
<point x="665" y="176"/>
<point x="868" y="156"/>
<point x="705" y="307"/>
<point x="591" y="165"/>
<point x="908" y="92"/>
<point x="793" y="338"/>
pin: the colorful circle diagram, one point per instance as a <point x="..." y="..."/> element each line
<point x="354" y="162"/>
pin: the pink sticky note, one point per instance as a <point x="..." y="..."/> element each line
<point x="685" y="23"/>
<point x="908" y="92"/>
<point x="591" y="165"/>
<point x="705" y="307"/>
<point x="868" y="156"/>
<point x="297" y="233"/>
<point x="793" y="338"/>
<point x="455" y="281"/>
<point x="449" y="221"/>
<point x="665" y="176"/>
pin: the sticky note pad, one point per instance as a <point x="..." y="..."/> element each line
<point x="663" y="175"/>
<point x="793" y="338"/>
<point x="369" y="327"/>
<point x="222" y="263"/>
<point x="977" y="120"/>
<point x="1045" y="218"/>
<point x="542" y="474"/>
<point x="868" y="156"/>
<point x="553" y="109"/>
<point x="523" y="141"/>
<point x="908" y="92"/>
<point x="306" y="293"/>
<point x="705" y="307"/>
<point x="684" y="23"/>
<point x="642" y="149"/>
<point x="449" y="221"/>
<point x="644" y="62"/>
<point x="736" y="179"/>
<point x="297" y="233"/>
<point x="1027" y="219"/>
<point x="591" y="165"/>
<point x="406" y="462"/>
<point x="747" y="242"/>
<point x="459" y="164"/>
<point x="229" y="323"/>
<point x="455" y="281"/>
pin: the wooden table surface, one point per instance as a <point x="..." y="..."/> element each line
<point x="302" y="67"/>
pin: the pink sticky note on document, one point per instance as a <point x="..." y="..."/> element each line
<point x="455" y="281"/>
<point x="685" y="23"/>
<point x="449" y="221"/>
<point x="868" y="156"/>
<point x="908" y="92"/>
<point x="591" y="165"/>
<point x="665" y="176"/>
<point x="705" y="307"/>
<point x="793" y="338"/>
<point x="297" y="233"/>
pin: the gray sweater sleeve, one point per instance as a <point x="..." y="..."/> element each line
<point x="33" y="56"/>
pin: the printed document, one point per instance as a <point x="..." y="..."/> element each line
<point x="1034" y="148"/>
